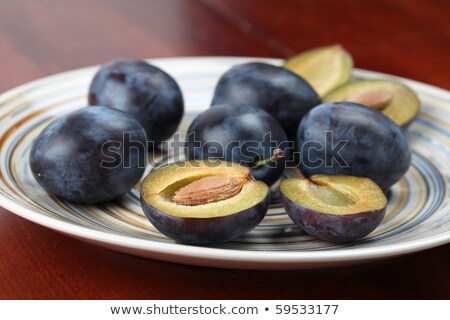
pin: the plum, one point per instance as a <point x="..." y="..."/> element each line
<point x="394" y="99"/>
<point x="353" y="140"/>
<point x="92" y="155"/>
<point x="239" y="133"/>
<point x="143" y="90"/>
<point x="204" y="202"/>
<point x="334" y="208"/>
<point x="283" y="94"/>
<point x="325" y="68"/>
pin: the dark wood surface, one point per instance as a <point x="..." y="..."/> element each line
<point x="37" y="38"/>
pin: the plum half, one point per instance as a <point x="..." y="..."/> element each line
<point x="280" y="92"/>
<point x="350" y="139"/>
<point x="334" y="208"/>
<point x="393" y="99"/>
<point x="204" y="202"/>
<point x="325" y="68"/>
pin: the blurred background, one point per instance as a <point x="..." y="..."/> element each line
<point x="409" y="38"/>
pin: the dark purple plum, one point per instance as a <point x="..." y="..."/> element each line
<point x="204" y="202"/>
<point x="282" y="93"/>
<point x="352" y="140"/>
<point x="143" y="90"/>
<point x="334" y="208"/>
<point x="92" y="155"/>
<point x="238" y="133"/>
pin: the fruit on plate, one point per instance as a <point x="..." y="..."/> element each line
<point x="352" y="140"/>
<point x="394" y="99"/>
<point x="242" y="134"/>
<point x="143" y="90"/>
<point x="204" y="202"/>
<point x="283" y="94"/>
<point x="325" y="68"/>
<point x="334" y="208"/>
<point x="92" y="155"/>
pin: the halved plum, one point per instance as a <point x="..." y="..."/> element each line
<point x="334" y="208"/>
<point x="394" y="99"/>
<point x="204" y="202"/>
<point x="325" y="68"/>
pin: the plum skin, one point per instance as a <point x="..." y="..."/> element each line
<point x="223" y="124"/>
<point x="143" y="90"/>
<point x="203" y="231"/>
<point x="66" y="158"/>
<point x="330" y="227"/>
<point x="280" y="92"/>
<point x="377" y="147"/>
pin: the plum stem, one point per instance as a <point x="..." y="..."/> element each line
<point x="277" y="154"/>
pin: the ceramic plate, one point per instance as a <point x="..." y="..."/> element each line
<point x="418" y="215"/>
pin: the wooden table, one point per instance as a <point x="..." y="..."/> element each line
<point x="38" y="38"/>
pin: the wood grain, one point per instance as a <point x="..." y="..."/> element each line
<point x="38" y="38"/>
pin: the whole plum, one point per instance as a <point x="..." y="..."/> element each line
<point x="92" y="155"/>
<point x="238" y="133"/>
<point x="352" y="140"/>
<point x="143" y="90"/>
<point x="282" y="93"/>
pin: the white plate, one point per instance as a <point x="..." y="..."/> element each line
<point x="418" y="215"/>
